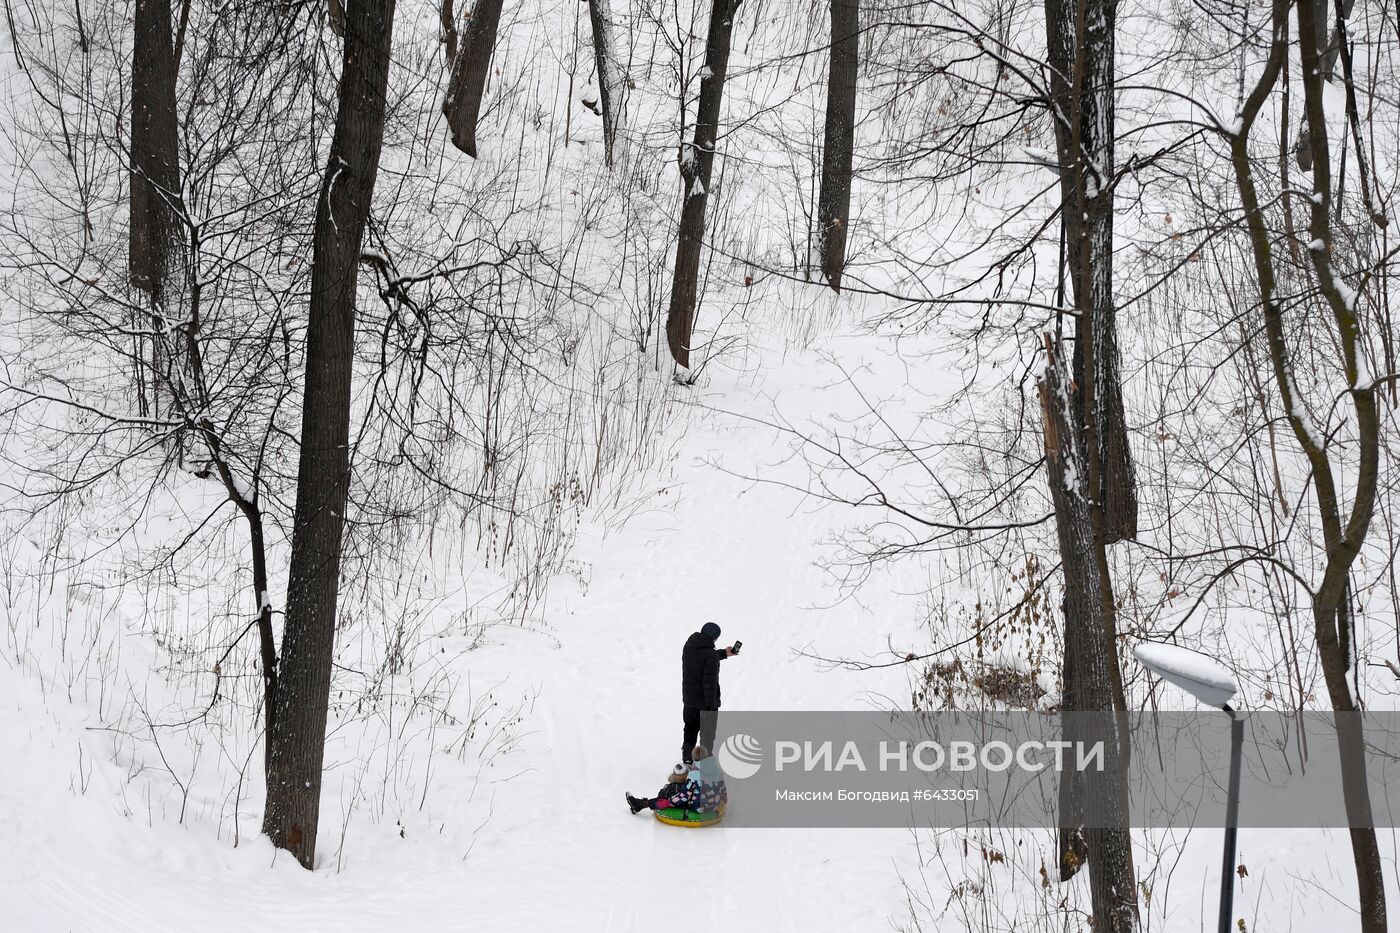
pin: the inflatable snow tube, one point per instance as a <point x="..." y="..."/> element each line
<point x="690" y="819"/>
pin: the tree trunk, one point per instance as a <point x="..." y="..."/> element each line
<point x="1330" y="51"/>
<point x="192" y="400"/>
<point x="244" y="496"/>
<point x="335" y="13"/>
<point x="266" y="641"/>
<point x="180" y="31"/>
<point x="155" y="246"/>
<point x="1080" y="52"/>
<point x="612" y="80"/>
<point x="155" y="236"/>
<point x="1342" y="541"/>
<point x="323" y="476"/>
<point x="697" y="162"/>
<point x="470" y="67"/>
<point x="834" y="202"/>
<point x="1098" y="799"/>
<point x="449" y="29"/>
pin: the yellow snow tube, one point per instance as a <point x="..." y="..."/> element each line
<point x="690" y="819"/>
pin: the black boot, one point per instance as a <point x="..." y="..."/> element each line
<point x="637" y="805"/>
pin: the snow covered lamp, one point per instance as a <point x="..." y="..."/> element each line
<point x="1211" y="682"/>
<point x="1203" y="677"/>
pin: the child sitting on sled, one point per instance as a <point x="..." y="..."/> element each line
<point x="700" y="790"/>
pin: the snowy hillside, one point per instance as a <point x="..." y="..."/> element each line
<point x="542" y="506"/>
<point x="590" y="703"/>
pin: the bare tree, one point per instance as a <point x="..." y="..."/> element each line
<point x="1330" y="51"/>
<point x="462" y="340"/>
<point x="156" y="241"/>
<point x="834" y="202"/>
<point x="1080" y="54"/>
<point x="612" y="78"/>
<point x="155" y="155"/>
<point x="1080" y="42"/>
<point x="697" y="163"/>
<point x="447" y="16"/>
<point x="1344" y="530"/>
<point x="298" y="724"/>
<point x="470" y="67"/>
<point x="1088" y="659"/>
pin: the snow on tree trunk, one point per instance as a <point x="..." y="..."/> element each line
<point x="1082" y="96"/>
<point x="612" y="79"/>
<point x="697" y="162"/>
<point x="470" y="67"/>
<point x="1080" y="53"/>
<point x="298" y="736"/>
<point x="834" y="201"/>
<point x="1088" y="798"/>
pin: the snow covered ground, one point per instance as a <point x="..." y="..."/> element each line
<point x="518" y="823"/>
<point x="542" y="832"/>
<point x="539" y="836"/>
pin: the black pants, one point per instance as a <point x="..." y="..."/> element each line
<point x="699" y="725"/>
<point x="667" y="792"/>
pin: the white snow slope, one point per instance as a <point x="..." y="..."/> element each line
<point x="521" y="825"/>
<point x="543" y="838"/>
<point x="539" y="837"/>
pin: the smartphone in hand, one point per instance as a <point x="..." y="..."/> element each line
<point x="737" y="646"/>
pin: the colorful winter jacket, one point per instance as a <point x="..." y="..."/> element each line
<point x="703" y="791"/>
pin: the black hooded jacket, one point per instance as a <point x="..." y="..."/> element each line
<point x="700" y="672"/>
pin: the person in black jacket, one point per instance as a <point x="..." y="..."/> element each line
<point x="700" y="687"/>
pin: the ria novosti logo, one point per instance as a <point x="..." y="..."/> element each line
<point x="740" y="756"/>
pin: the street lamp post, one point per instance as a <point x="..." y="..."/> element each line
<point x="1232" y="819"/>
<point x="1212" y="683"/>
